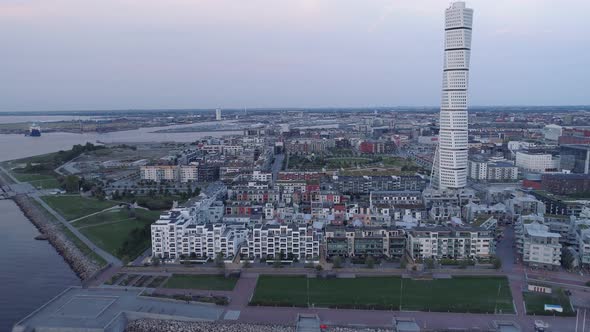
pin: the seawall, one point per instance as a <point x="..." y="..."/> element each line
<point x="83" y="266"/>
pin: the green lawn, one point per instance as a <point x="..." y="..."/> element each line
<point x="119" y="233"/>
<point x="72" y="237"/>
<point x="535" y="303"/>
<point x="207" y="282"/>
<point x="73" y="207"/>
<point x="104" y="217"/>
<point x="460" y="294"/>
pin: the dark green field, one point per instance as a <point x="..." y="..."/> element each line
<point x="535" y="303"/>
<point x="460" y="294"/>
<point x="206" y="282"/>
<point x="73" y="206"/>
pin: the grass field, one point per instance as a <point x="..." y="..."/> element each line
<point x="73" y="207"/>
<point x="72" y="237"/>
<point x="110" y="216"/>
<point x="535" y="303"/>
<point x="206" y="282"/>
<point x="460" y="294"/>
<point x="110" y="230"/>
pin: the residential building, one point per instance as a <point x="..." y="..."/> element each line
<point x="283" y="241"/>
<point x="539" y="247"/>
<point x="452" y="243"/>
<point x="365" y="241"/>
<point x="484" y="169"/>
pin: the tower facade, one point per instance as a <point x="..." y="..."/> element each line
<point x="452" y="149"/>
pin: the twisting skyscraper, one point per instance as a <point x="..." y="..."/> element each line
<point x="452" y="150"/>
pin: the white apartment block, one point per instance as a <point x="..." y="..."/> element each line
<point x="175" y="235"/>
<point x="539" y="246"/>
<point x="188" y="173"/>
<point x="158" y="173"/>
<point x="484" y="170"/>
<point x="453" y="137"/>
<point x="453" y="243"/>
<point x="536" y="162"/>
<point x="261" y="176"/>
<point x="272" y="241"/>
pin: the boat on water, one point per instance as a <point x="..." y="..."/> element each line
<point x="34" y="131"/>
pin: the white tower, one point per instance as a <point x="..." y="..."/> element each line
<point x="218" y="114"/>
<point x="452" y="143"/>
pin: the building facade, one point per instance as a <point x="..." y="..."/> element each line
<point x="451" y="243"/>
<point x="274" y="241"/>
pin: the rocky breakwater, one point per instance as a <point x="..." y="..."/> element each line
<point x="156" y="325"/>
<point x="82" y="265"/>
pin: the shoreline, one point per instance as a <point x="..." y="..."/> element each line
<point x="84" y="267"/>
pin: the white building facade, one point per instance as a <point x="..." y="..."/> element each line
<point x="536" y="162"/>
<point x="453" y="138"/>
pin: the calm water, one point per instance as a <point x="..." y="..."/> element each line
<point x="31" y="271"/>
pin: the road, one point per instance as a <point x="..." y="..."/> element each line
<point x="277" y="165"/>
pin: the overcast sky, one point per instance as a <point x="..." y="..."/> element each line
<point x="121" y="54"/>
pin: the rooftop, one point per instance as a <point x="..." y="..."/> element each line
<point x="101" y="309"/>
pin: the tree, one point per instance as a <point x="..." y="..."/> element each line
<point x="72" y="183"/>
<point x="370" y="262"/>
<point x="276" y="263"/>
<point x="429" y="262"/>
<point x="567" y="259"/>
<point x="155" y="260"/>
<point x="337" y="262"/>
<point x="246" y="264"/>
<point x="497" y="263"/>
<point x="219" y="260"/>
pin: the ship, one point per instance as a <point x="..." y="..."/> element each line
<point x="34" y="131"/>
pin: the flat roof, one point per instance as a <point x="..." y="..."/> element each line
<point x="98" y="308"/>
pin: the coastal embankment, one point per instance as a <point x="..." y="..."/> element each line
<point x="82" y="265"/>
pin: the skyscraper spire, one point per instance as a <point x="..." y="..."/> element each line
<point x="452" y="149"/>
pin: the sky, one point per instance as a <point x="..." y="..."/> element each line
<point x="149" y="54"/>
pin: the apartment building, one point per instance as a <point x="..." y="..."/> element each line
<point x="365" y="241"/>
<point x="177" y="234"/>
<point x="272" y="241"/>
<point x="483" y="169"/>
<point x="453" y="243"/>
<point x="158" y="173"/>
<point x="351" y="185"/>
<point x="539" y="247"/>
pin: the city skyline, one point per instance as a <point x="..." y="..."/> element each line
<point x="64" y="56"/>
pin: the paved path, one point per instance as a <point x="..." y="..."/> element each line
<point x="34" y="194"/>
<point x="95" y="213"/>
<point x="110" y="259"/>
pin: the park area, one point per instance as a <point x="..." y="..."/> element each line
<point x="204" y="282"/>
<point x="75" y="206"/>
<point x="535" y="303"/>
<point x="459" y="294"/>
